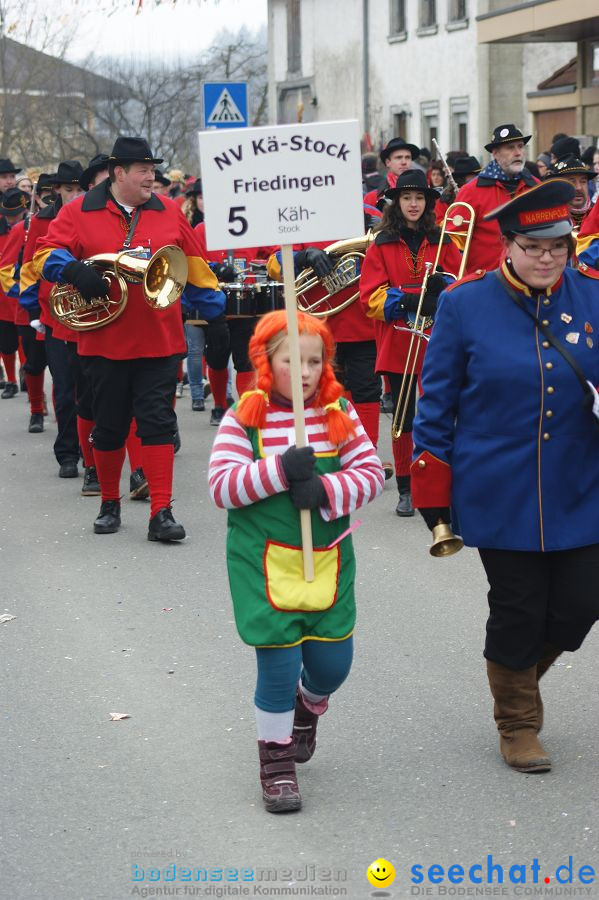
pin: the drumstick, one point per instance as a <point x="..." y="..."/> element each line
<point x="297" y="395"/>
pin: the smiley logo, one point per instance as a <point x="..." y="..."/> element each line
<point x="380" y="873"/>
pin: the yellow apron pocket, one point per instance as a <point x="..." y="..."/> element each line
<point x="284" y="573"/>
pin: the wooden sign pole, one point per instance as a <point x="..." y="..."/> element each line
<point x="297" y="394"/>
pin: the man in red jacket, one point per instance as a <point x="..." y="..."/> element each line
<point x="502" y="179"/>
<point x="132" y="360"/>
<point x="398" y="156"/>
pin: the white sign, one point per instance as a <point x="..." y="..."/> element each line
<point x="285" y="184"/>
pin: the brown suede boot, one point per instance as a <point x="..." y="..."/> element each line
<point x="304" y="726"/>
<point x="515" y="694"/>
<point x="280" y="790"/>
<point x="550" y="654"/>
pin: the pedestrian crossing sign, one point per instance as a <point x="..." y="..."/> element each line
<point x="225" y="104"/>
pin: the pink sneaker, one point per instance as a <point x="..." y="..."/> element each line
<point x="280" y="790"/>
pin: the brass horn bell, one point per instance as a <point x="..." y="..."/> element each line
<point x="445" y="543"/>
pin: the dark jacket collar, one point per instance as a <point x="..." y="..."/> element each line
<point x="4" y="229"/>
<point x="51" y="211"/>
<point x="97" y="198"/>
<point x="384" y="238"/>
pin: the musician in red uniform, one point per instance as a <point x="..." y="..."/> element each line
<point x="502" y="179"/>
<point x="132" y="361"/>
<point x="13" y="208"/>
<point x="390" y="287"/>
<point x="579" y="175"/>
<point x="398" y="157"/>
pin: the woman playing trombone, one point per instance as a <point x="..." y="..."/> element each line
<point x="390" y="289"/>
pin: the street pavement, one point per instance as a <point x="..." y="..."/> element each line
<point x="407" y="766"/>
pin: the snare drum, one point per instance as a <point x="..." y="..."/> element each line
<point x="269" y="297"/>
<point x="240" y="301"/>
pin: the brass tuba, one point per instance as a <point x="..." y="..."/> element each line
<point x="163" y="278"/>
<point x="317" y="295"/>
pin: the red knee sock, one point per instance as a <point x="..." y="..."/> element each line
<point x="218" y="382"/>
<point x="369" y="417"/>
<point x="402" y="453"/>
<point x="35" y="389"/>
<point x="245" y="381"/>
<point x="9" y="360"/>
<point x="157" y="463"/>
<point x="84" y="430"/>
<point x="133" y="445"/>
<point x="109" y="464"/>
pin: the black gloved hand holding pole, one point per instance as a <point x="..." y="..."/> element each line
<point x="298" y="463"/>
<point x="308" y="493"/>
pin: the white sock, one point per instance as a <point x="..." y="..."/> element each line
<point x="274" y="726"/>
<point x="313" y="698"/>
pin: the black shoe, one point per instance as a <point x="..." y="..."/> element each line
<point x="207" y="390"/>
<point x="387" y="403"/>
<point x="388" y="469"/>
<point x="230" y="401"/>
<point x="91" y="485"/>
<point x="138" y="485"/>
<point x="11" y="390"/>
<point x="216" y="416"/>
<point x="404" y="507"/>
<point x="176" y="441"/>
<point x="198" y="405"/>
<point x="109" y="517"/>
<point x="164" y="528"/>
<point x="68" y="469"/>
<point x="36" y="423"/>
<point x="2" y="379"/>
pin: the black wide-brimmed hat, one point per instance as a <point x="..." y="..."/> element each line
<point x="94" y="166"/>
<point x="398" y="143"/>
<point x="13" y="201"/>
<point x="569" y="165"/>
<point x="505" y="134"/>
<point x="132" y="149"/>
<point x="466" y="165"/>
<point x="195" y="189"/>
<point x="7" y="168"/>
<point x="412" y="180"/>
<point x="566" y="146"/>
<point x="44" y="182"/>
<point x="69" y="172"/>
<point x="161" y="178"/>
<point x="541" y="212"/>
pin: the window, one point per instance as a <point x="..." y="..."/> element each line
<point x="428" y="14"/>
<point x="457" y="10"/>
<point x="397" y="16"/>
<point x="400" y="125"/>
<point x="429" y="123"/>
<point x="294" y="37"/>
<point x="458" y="111"/>
<point x="594" y="63"/>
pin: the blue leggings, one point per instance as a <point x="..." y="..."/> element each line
<point x="323" y="666"/>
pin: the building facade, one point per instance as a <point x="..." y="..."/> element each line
<point x="410" y="68"/>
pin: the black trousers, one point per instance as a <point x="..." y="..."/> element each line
<point x="536" y="598"/>
<point x="35" y="351"/>
<point x="60" y="363"/>
<point x="240" y="332"/>
<point x="9" y="337"/>
<point x="122" y="388"/>
<point x="354" y="367"/>
<point x="395" y="380"/>
<point x="83" y="388"/>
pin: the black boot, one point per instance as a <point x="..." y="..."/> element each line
<point x="304" y="726"/>
<point x="36" y="423"/>
<point x="91" y="485"/>
<point x="280" y="790"/>
<point x="109" y="517"/>
<point x="404" y="507"/>
<point x="138" y="485"/>
<point x="11" y="390"/>
<point x="164" y="528"/>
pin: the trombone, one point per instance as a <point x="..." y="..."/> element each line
<point x="460" y="225"/>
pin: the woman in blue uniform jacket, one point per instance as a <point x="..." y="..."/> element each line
<point x="504" y="422"/>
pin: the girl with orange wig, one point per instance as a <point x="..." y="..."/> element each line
<point x="302" y="631"/>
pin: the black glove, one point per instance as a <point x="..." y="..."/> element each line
<point x="429" y="304"/>
<point x="85" y="279"/>
<point x="435" y="285"/>
<point x="298" y="464"/>
<point x="224" y="272"/>
<point x="217" y="343"/>
<point x="315" y="259"/>
<point x="431" y="515"/>
<point x="310" y="493"/>
<point x="448" y="195"/>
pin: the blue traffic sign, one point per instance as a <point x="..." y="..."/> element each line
<point x="225" y="104"/>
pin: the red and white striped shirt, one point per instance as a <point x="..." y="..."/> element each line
<point x="236" y="479"/>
